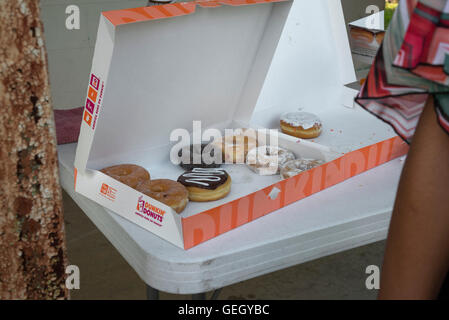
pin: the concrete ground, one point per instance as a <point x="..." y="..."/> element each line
<point x="106" y="275"/>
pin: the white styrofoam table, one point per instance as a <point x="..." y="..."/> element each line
<point x="350" y="214"/>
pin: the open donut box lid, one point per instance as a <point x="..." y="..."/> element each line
<point x="374" y="23"/>
<point x="228" y="64"/>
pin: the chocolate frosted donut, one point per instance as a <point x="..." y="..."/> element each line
<point x="206" y="184"/>
<point x="200" y="156"/>
<point x="204" y="178"/>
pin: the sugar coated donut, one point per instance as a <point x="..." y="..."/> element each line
<point x="293" y="167"/>
<point x="301" y="124"/>
<point x="206" y="184"/>
<point x="129" y="174"/>
<point x="266" y="160"/>
<point x="235" y="147"/>
<point x="169" y="192"/>
<point x="200" y="156"/>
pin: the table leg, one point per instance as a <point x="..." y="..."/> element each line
<point x="202" y="296"/>
<point x="199" y="296"/>
<point x="152" y="294"/>
<point x="215" y="294"/>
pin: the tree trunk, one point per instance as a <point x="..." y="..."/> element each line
<point x="32" y="242"/>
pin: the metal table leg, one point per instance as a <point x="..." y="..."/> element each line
<point x="215" y="294"/>
<point x="202" y="296"/>
<point x="152" y="294"/>
<point x="199" y="296"/>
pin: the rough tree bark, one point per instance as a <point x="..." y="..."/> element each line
<point x="32" y="242"/>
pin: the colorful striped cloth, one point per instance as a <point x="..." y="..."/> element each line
<point x="412" y="62"/>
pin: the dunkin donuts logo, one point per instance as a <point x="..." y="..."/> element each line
<point x="108" y="192"/>
<point x="93" y="96"/>
<point x="149" y="212"/>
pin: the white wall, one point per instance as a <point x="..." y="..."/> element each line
<point x="70" y="51"/>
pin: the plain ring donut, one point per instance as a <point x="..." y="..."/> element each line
<point x="129" y="174"/>
<point x="235" y="147"/>
<point x="169" y="192"/>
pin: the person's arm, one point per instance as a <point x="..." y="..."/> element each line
<point x="417" y="251"/>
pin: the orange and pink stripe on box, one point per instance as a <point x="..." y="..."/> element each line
<point x="120" y="17"/>
<point x="211" y="223"/>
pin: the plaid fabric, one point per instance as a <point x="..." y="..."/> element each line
<point x="68" y="123"/>
<point x="412" y="62"/>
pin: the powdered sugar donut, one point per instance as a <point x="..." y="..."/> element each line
<point x="301" y="124"/>
<point x="294" y="167"/>
<point x="266" y="160"/>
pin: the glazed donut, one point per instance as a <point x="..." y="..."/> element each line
<point x="235" y="147"/>
<point x="206" y="184"/>
<point x="294" y="167"/>
<point x="169" y="192"/>
<point x="380" y="37"/>
<point x="362" y="35"/>
<point x="129" y="174"/>
<point x="266" y="160"/>
<point x="301" y="124"/>
<point x="206" y="156"/>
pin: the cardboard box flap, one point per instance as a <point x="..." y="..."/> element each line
<point x="374" y="22"/>
<point x="124" y="16"/>
<point x="311" y="65"/>
<point x="165" y="73"/>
